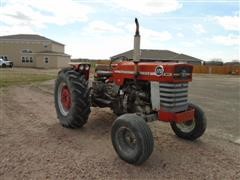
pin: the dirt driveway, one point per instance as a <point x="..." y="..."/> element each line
<point x="34" y="146"/>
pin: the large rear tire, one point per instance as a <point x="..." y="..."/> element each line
<point x="191" y="129"/>
<point x="132" y="139"/>
<point x="71" y="97"/>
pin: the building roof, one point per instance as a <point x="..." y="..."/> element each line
<point x="184" y="57"/>
<point x="151" y="55"/>
<point x="34" y="37"/>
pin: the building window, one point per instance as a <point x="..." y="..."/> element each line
<point x="27" y="59"/>
<point x="23" y="59"/>
<point x="26" y="51"/>
<point x="46" y="60"/>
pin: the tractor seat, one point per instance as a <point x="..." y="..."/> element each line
<point x="103" y="70"/>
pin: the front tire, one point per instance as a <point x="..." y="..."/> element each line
<point x="71" y="97"/>
<point x="132" y="139"/>
<point x="191" y="129"/>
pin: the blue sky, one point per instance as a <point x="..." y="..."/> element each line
<point x="100" y="28"/>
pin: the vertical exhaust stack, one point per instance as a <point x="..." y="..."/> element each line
<point x="136" y="50"/>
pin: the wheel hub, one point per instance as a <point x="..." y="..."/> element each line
<point x="187" y="126"/>
<point x="128" y="139"/>
<point x="66" y="98"/>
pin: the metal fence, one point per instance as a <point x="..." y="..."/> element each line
<point x="208" y="69"/>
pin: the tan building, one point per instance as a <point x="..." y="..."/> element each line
<point x="27" y="50"/>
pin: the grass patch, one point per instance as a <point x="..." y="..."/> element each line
<point x="9" y="77"/>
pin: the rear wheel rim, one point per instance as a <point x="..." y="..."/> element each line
<point x="64" y="99"/>
<point x="187" y="126"/>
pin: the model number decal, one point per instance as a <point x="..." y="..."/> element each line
<point x="142" y="73"/>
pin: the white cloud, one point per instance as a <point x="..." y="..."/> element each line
<point x="5" y="30"/>
<point x="148" y="7"/>
<point x="109" y="39"/>
<point x="188" y="44"/>
<point x="229" y="22"/>
<point x="229" y="40"/>
<point x="98" y="47"/>
<point x="181" y="35"/>
<point x="155" y="35"/>
<point x="199" y="29"/>
<point x="38" y="13"/>
<point x="191" y="44"/>
<point x="102" y="27"/>
<point x="148" y="33"/>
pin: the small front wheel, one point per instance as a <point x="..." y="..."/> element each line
<point x="193" y="128"/>
<point x="132" y="139"/>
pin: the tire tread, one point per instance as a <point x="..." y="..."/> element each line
<point x="80" y="110"/>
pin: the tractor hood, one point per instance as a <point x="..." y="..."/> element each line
<point x="156" y="71"/>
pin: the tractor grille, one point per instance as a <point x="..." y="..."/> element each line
<point x="173" y="96"/>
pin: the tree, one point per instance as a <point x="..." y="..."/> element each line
<point x="215" y="62"/>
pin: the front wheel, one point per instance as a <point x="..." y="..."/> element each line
<point x="191" y="129"/>
<point x="132" y="139"/>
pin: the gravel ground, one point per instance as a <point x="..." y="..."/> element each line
<point x="33" y="145"/>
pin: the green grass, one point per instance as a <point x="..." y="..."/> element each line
<point x="21" y="76"/>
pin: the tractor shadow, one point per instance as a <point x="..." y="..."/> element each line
<point x="101" y="119"/>
<point x="170" y="152"/>
<point x="170" y="157"/>
<point x="99" y="124"/>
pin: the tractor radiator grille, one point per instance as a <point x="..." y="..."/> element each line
<point x="174" y="96"/>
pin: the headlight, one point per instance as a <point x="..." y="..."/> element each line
<point x="183" y="72"/>
<point x="81" y="67"/>
<point x="87" y="67"/>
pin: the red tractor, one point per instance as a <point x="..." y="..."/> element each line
<point x="138" y="91"/>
